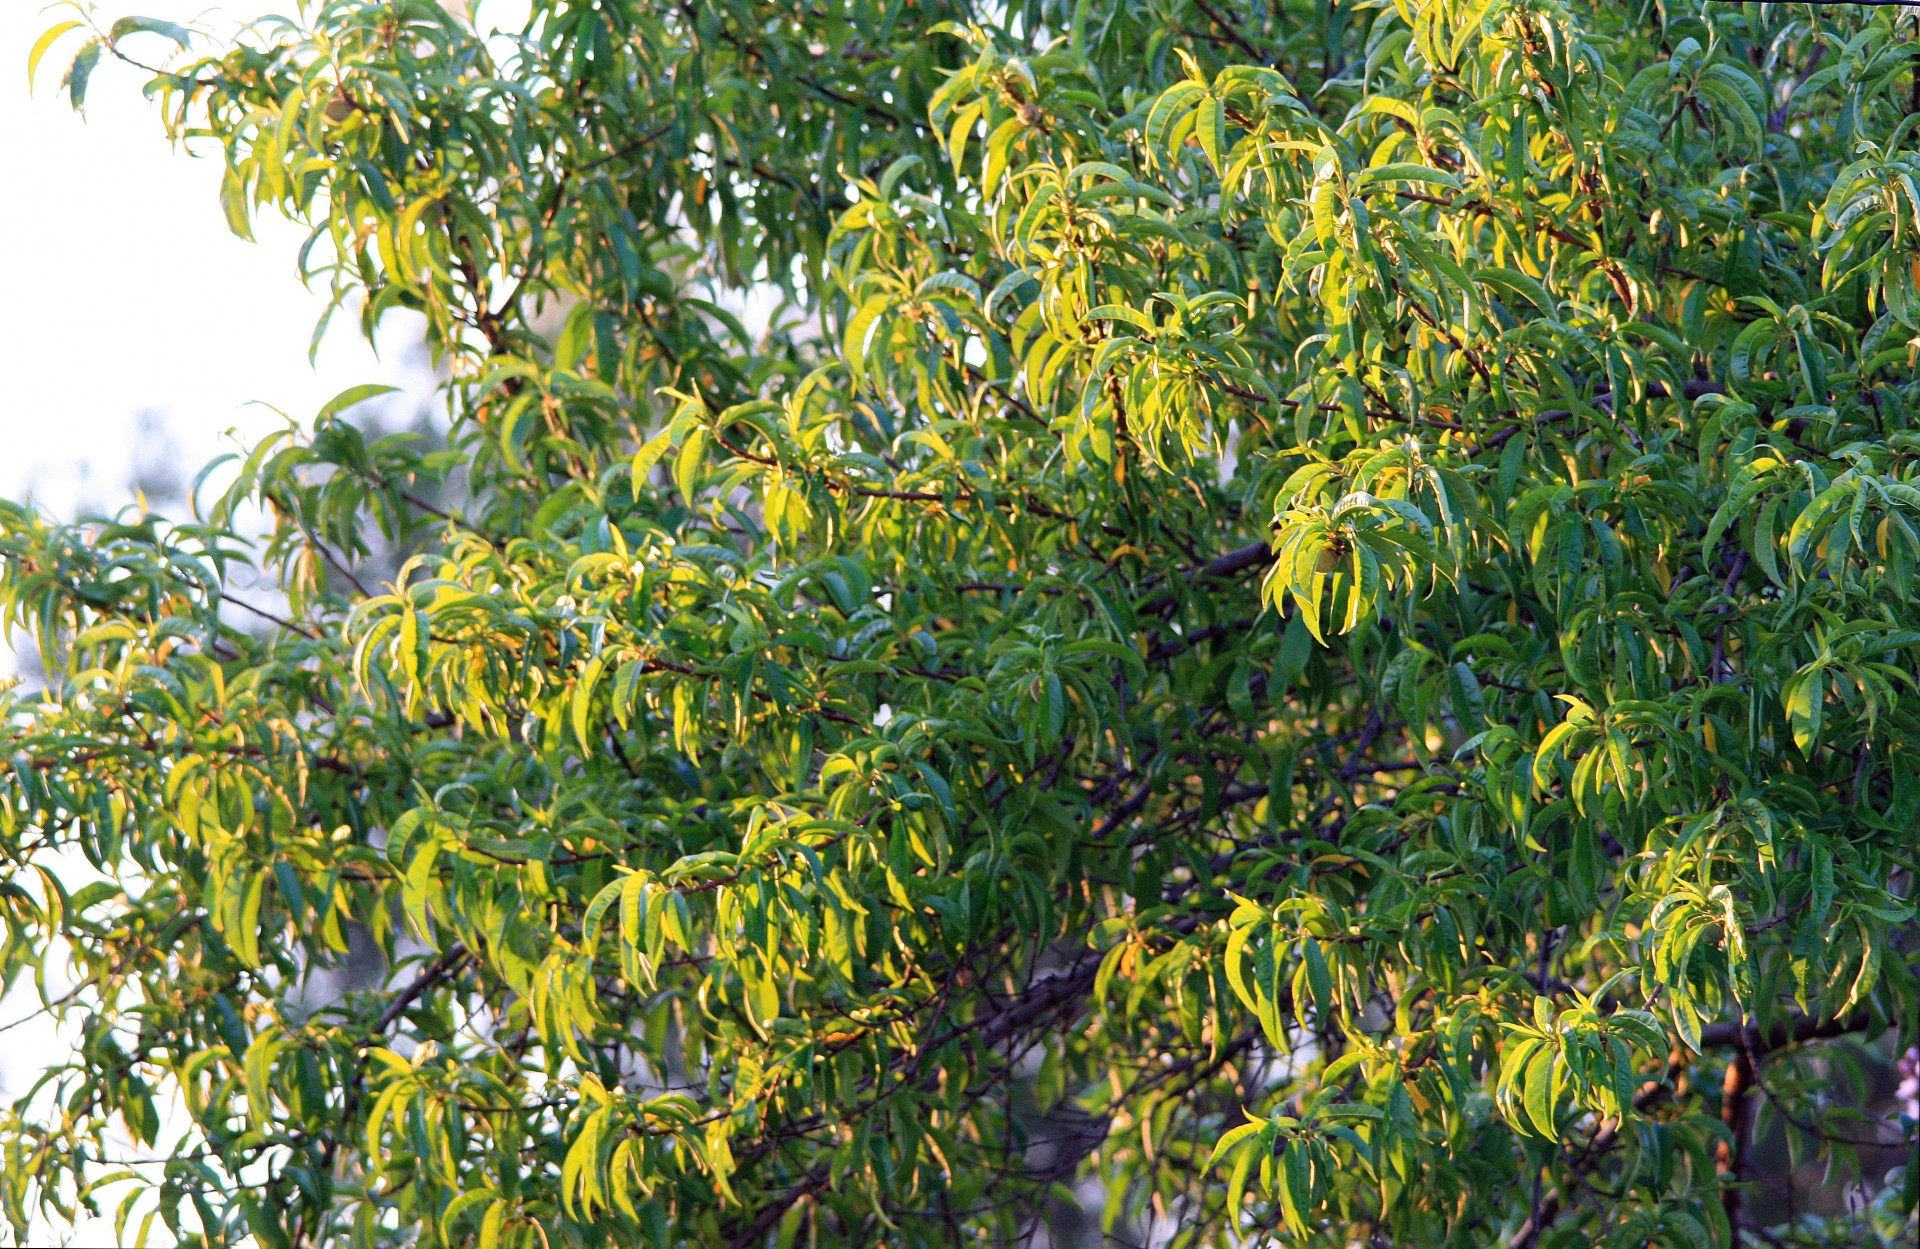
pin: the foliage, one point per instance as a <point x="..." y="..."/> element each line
<point x="1307" y="612"/>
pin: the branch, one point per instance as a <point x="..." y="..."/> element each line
<point x="1542" y="1217"/>
<point x="1238" y="40"/>
<point x="1692" y="388"/>
<point x="1238" y="560"/>
<point x="1730" y="1155"/>
<point x="435" y="972"/>
<point x="1793" y="1031"/>
<point x="1044" y="997"/>
<point x="756" y="1231"/>
<point x="838" y="485"/>
<point x="1741" y="1079"/>
<point x="283" y="622"/>
<point x="1219" y="568"/>
<point x="1379" y="414"/>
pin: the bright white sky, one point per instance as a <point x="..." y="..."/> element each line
<point x="124" y="290"/>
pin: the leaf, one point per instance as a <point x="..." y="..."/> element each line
<point x="1233" y="1138"/>
<point x="1872" y="954"/>
<point x="1520" y="284"/>
<point x="246" y="934"/>
<point x="45" y="42"/>
<point x="859" y="329"/>
<point x="1173" y="102"/>
<point x="999" y="151"/>
<point x="583" y="702"/>
<point x="1296" y="1187"/>
<point x="1318" y="978"/>
<point x="958" y="283"/>
<point x="647" y="456"/>
<point x="597" y="909"/>
<point x="1550" y="751"/>
<point x="81" y="71"/>
<point x="1212" y="132"/>
<point x="1235" y="960"/>
<point x="1689" y="1232"/>
<point x="1540" y="1090"/>
<point x="1405" y="172"/>
<point x="353" y="396"/>
<point x="901" y="166"/>
<point x="688" y="464"/>
<point x="960" y="131"/>
<point x="1803" y="697"/>
<point x="492" y="1223"/>
<point x="1237" y="1181"/>
<point x="1120" y="312"/>
<point x="149" y="25"/>
<point x="459" y="1206"/>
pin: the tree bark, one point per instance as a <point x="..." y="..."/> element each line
<point x="1730" y="1157"/>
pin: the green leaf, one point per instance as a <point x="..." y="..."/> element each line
<point x="492" y="1224"/>
<point x="1232" y="1140"/>
<point x="999" y="151"/>
<point x="81" y="71"/>
<point x="1540" y="1090"/>
<point x="354" y="396"/>
<point x="1295" y="1187"/>
<point x="859" y="329"/>
<point x="149" y="25"/>
<point x="1176" y="100"/>
<point x="1406" y="172"/>
<point x="647" y="457"/>
<point x="688" y="466"/>
<point x="1212" y="131"/>
<point x="1804" y="698"/>
<point x="583" y="702"/>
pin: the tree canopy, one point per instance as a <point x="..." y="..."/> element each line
<point x="1295" y="621"/>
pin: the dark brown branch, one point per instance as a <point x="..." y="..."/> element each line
<point x="1238" y="560"/>
<point x="282" y="621"/>
<point x="1233" y="34"/>
<point x="1544" y="1213"/>
<point x="434" y="973"/>
<point x="1692" y="388"/>
<point x="756" y="1231"/>
<point x="1378" y="414"/>
<point x="1794" y="1031"/>
<point x="1730" y="1155"/>
<point x="1736" y="1094"/>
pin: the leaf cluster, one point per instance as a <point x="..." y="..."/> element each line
<point x="1302" y="612"/>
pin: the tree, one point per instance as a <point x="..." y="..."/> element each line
<point x="1305" y="611"/>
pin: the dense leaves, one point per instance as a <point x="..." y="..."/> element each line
<point x="1306" y="613"/>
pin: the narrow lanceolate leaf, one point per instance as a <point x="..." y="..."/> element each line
<point x="80" y="73"/>
<point x="1211" y="128"/>
<point x="1804" y="697"/>
<point x="45" y="42"/>
<point x="1540" y="1090"/>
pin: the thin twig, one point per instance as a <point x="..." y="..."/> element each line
<point x="282" y="621"/>
<point x="1232" y="32"/>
